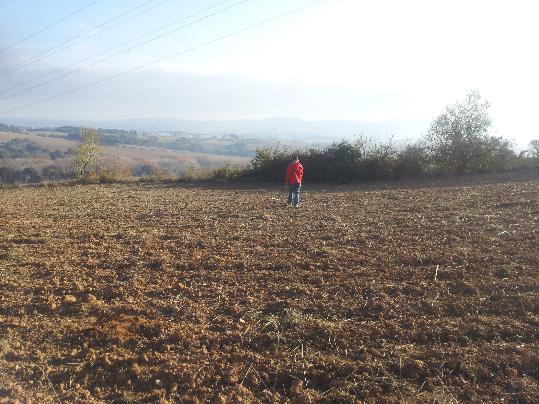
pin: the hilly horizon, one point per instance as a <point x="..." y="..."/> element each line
<point x="274" y="127"/>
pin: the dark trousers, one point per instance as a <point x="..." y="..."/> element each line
<point x="293" y="193"/>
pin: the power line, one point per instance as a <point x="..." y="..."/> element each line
<point x="83" y="37"/>
<point x="183" y="52"/>
<point x="69" y="73"/>
<point x="39" y="31"/>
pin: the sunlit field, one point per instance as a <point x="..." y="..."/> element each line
<point x="149" y="292"/>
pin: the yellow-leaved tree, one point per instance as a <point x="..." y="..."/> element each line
<point x="85" y="163"/>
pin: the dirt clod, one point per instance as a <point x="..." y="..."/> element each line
<point x="70" y="299"/>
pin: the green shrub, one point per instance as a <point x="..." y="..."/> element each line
<point x="459" y="141"/>
<point x="113" y="174"/>
<point x="363" y="160"/>
<point x="411" y="161"/>
<point x="342" y="161"/>
<point x="228" y="173"/>
<point x="85" y="163"/>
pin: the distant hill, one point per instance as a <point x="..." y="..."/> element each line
<point x="36" y="156"/>
<point x="277" y="128"/>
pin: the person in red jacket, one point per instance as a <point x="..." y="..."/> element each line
<point x="294" y="176"/>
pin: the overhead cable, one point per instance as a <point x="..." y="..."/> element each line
<point x="70" y="72"/>
<point x="99" y="29"/>
<point x="39" y="31"/>
<point x="162" y="59"/>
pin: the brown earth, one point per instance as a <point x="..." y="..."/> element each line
<point x="133" y="293"/>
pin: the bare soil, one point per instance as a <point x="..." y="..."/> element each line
<point x="146" y="293"/>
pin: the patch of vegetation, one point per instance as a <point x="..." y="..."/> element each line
<point x="25" y="148"/>
<point x="11" y="175"/>
<point x="193" y="143"/>
<point x="457" y="143"/>
<point x="9" y="128"/>
<point x="85" y="164"/>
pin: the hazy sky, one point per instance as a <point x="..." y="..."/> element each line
<point x="340" y="59"/>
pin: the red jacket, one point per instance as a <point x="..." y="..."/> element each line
<point x="294" y="173"/>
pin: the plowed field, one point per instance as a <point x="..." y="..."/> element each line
<point x="141" y="293"/>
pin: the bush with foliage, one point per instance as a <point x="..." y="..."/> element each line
<point x="344" y="161"/>
<point x="109" y="175"/>
<point x="85" y="163"/>
<point x="459" y="140"/>
<point x="228" y="172"/>
<point x="412" y="161"/>
<point x="149" y="171"/>
<point x="457" y="143"/>
<point x="25" y="148"/>
<point x="11" y="175"/>
<point x="54" y="173"/>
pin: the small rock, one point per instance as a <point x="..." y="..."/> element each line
<point x="85" y="394"/>
<point x="175" y="337"/>
<point x="70" y="299"/>
<point x="232" y="378"/>
<point x="122" y="378"/>
<point x="135" y="370"/>
<point x="106" y="360"/>
<point x="90" y="298"/>
<point x="511" y="372"/>
<point x="297" y="385"/>
<point x="412" y="369"/>
<point x="453" y="364"/>
<point x="422" y="338"/>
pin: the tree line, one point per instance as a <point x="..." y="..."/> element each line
<point x="457" y="143"/>
<point x="25" y="148"/>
